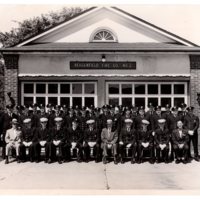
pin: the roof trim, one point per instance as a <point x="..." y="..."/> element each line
<point x="156" y="27"/>
<point x="50" y="29"/>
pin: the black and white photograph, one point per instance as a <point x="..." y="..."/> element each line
<point x="99" y="99"/>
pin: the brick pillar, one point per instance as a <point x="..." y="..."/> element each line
<point x="11" y="77"/>
<point x="1" y="85"/>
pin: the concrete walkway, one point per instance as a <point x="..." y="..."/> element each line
<point x="94" y="177"/>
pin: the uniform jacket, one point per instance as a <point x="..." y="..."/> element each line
<point x="144" y="136"/>
<point x="172" y="122"/>
<point x="7" y="121"/>
<point x="154" y="122"/>
<point x="191" y="122"/>
<point x="74" y="136"/>
<point x="92" y="136"/>
<point x="27" y="135"/>
<point x="109" y="138"/>
<point x="124" y="117"/>
<point x="128" y="136"/>
<point x="138" y="121"/>
<point x="43" y="134"/>
<point x="180" y="140"/>
<point x="12" y="135"/>
<point x="162" y="136"/>
<point x="58" y="134"/>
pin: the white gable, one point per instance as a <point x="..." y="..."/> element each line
<point x="126" y="28"/>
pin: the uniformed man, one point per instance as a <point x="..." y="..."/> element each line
<point x="128" y="140"/>
<point x="145" y="141"/>
<point x="44" y="139"/>
<point x="162" y="138"/>
<point x="127" y="115"/>
<point x="104" y="116"/>
<point x="183" y="111"/>
<point x="58" y="137"/>
<point x="34" y="115"/>
<point x="91" y="142"/>
<point x="53" y="115"/>
<point x="149" y="114"/>
<point x="13" y="140"/>
<point x="42" y="113"/>
<point x="27" y="140"/>
<point x="191" y="123"/>
<point x="140" y="117"/>
<point x="167" y="111"/>
<point x="109" y="139"/>
<point x="156" y="116"/>
<point x="69" y="118"/>
<point x="74" y="142"/>
<point x="180" y="139"/>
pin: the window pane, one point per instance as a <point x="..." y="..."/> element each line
<point x="65" y="88"/>
<point x="140" y="102"/>
<point x="53" y="88"/>
<point x="152" y="89"/>
<point x="139" y="89"/>
<point x="53" y="100"/>
<point x="113" y="88"/>
<point x="40" y="100"/>
<point x="40" y="88"/>
<point x="77" y="88"/>
<point x="154" y="101"/>
<point x="89" y="88"/>
<point x="28" y="88"/>
<point x="28" y="100"/>
<point x="126" y="101"/>
<point x="89" y="101"/>
<point x="165" y="101"/>
<point x="166" y="89"/>
<point x="179" y="89"/>
<point x="113" y="101"/>
<point x="77" y="101"/>
<point x="178" y="101"/>
<point x="126" y="89"/>
<point x="65" y="101"/>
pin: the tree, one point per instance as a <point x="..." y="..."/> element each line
<point x="36" y="25"/>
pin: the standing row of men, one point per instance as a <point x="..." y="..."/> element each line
<point x="127" y="131"/>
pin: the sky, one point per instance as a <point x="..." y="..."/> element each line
<point x="182" y="19"/>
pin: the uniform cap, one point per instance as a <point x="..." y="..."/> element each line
<point x="150" y="105"/>
<point x="9" y="106"/>
<point x="175" y="108"/>
<point x="43" y="119"/>
<point x="109" y="121"/>
<point x="58" y="119"/>
<point x="190" y="108"/>
<point x="128" y="121"/>
<point x="144" y="121"/>
<point x="14" y="121"/>
<point x="91" y="121"/>
<point x="183" y="105"/>
<point x="141" y="108"/>
<point x="161" y="121"/>
<point x="158" y="108"/>
<point x="167" y="106"/>
<point x="26" y="121"/>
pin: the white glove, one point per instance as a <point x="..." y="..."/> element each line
<point x="109" y="146"/>
<point x="92" y="144"/>
<point x="162" y="146"/>
<point x="56" y="142"/>
<point x="128" y="145"/>
<point x="73" y="145"/>
<point x="121" y="143"/>
<point x="191" y="132"/>
<point x="181" y="146"/>
<point x="42" y="143"/>
<point x="153" y="133"/>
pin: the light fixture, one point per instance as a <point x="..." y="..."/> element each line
<point x="198" y="98"/>
<point x="103" y="58"/>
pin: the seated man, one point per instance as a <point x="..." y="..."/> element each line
<point x="127" y="140"/>
<point x="162" y="138"/>
<point x="27" y="140"/>
<point x="57" y="140"/>
<point x="13" y="140"/>
<point x="109" y="139"/>
<point x="145" y="141"/>
<point x="44" y="138"/>
<point x="91" y="141"/>
<point x="180" y="140"/>
<point x="73" y="143"/>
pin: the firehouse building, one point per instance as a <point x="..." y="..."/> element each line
<point x="104" y="56"/>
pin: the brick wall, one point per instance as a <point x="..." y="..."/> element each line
<point x="11" y="77"/>
<point x="1" y="85"/>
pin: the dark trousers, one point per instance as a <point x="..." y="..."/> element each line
<point x="23" y="155"/>
<point x="141" y="150"/>
<point x="194" y="140"/>
<point x="53" y="153"/>
<point x="181" y="152"/>
<point x="122" y="150"/>
<point x="87" y="150"/>
<point x="164" y="153"/>
<point x="47" y="150"/>
<point x="67" y="151"/>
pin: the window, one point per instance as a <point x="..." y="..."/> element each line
<point x="143" y="93"/>
<point x="104" y="36"/>
<point x="64" y="93"/>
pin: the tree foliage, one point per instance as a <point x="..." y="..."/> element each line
<point x="36" y="25"/>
